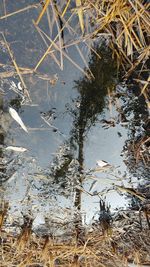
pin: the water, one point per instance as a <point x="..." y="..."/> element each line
<point x="73" y="122"/>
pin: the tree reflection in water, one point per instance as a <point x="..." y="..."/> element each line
<point x="92" y="102"/>
<point x="88" y="106"/>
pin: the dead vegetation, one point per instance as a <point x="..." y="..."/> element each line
<point x="140" y="149"/>
<point x="124" y="24"/>
<point x="126" y="241"/>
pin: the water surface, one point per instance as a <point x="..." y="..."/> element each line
<point x="72" y="121"/>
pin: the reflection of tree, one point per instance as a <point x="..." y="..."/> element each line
<point x="88" y="106"/>
<point x="92" y="101"/>
<point x="67" y="168"/>
<point x="92" y="92"/>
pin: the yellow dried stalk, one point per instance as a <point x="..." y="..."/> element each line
<point x="127" y="21"/>
<point x="42" y="12"/>
<point x="80" y="14"/>
<point x="65" y="9"/>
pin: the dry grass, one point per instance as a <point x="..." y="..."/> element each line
<point x="127" y="22"/>
<point x="127" y="240"/>
<point x="28" y="249"/>
<point x="124" y="24"/>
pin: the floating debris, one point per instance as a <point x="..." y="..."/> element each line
<point x="20" y="86"/>
<point x="16" y="148"/>
<point x="102" y="163"/>
<point x="17" y="118"/>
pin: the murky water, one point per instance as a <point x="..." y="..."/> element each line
<point x="73" y="123"/>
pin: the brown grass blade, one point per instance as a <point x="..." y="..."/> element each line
<point x="7" y="74"/>
<point x="3" y="213"/>
<point x="145" y="86"/>
<point x="19" y="11"/>
<point x="130" y="191"/>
